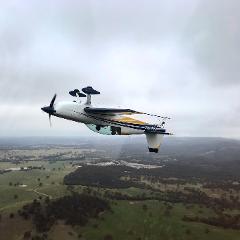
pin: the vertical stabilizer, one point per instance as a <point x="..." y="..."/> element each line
<point x="89" y="91"/>
<point x="154" y="141"/>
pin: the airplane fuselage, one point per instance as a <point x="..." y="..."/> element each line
<point x="107" y="121"/>
<point x="75" y="111"/>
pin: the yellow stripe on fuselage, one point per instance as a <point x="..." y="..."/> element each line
<point x="131" y="120"/>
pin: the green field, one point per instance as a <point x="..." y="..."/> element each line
<point x="128" y="219"/>
<point x="51" y="179"/>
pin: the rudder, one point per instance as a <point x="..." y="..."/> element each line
<point x="154" y="141"/>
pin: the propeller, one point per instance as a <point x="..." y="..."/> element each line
<point x="50" y="109"/>
<point x="53" y="100"/>
<point x="51" y="106"/>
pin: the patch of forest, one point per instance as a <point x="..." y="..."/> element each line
<point x="75" y="209"/>
<point x="222" y="220"/>
<point x="112" y="176"/>
<point x="116" y="177"/>
<point x="107" y="176"/>
<point x="191" y="197"/>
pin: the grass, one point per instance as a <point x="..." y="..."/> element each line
<point x="32" y="179"/>
<point x="128" y="221"/>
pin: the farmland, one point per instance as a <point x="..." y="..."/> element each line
<point x="145" y="203"/>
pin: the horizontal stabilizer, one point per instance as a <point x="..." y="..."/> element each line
<point x="154" y="141"/>
<point x="90" y="90"/>
<point x="76" y="93"/>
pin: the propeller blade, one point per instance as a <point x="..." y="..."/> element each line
<point x="50" y="109"/>
<point x="53" y="100"/>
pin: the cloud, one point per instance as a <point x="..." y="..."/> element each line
<point x="213" y="36"/>
<point x="178" y="58"/>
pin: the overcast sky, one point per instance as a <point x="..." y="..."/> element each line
<point x="175" y="58"/>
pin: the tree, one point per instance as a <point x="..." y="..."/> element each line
<point x="27" y="235"/>
<point x="47" y="200"/>
<point x="207" y="230"/>
<point x="108" y="237"/>
<point x="167" y="213"/>
<point x="144" y="207"/>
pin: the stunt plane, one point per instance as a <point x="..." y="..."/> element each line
<point x="107" y="121"/>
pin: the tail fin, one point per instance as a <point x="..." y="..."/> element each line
<point x="89" y="91"/>
<point x="154" y="141"/>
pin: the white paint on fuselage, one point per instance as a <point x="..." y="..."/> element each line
<point x="74" y="111"/>
<point x="71" y="111"/>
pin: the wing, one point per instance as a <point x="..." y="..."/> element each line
<point x="117" y="111"/>
<point x="110" y="111"/>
